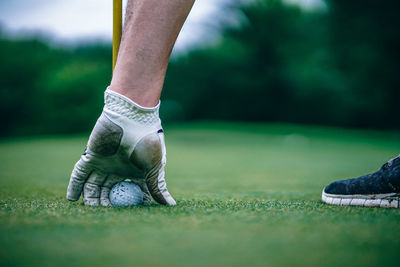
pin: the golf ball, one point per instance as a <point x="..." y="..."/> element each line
<point x="126" y="194"/>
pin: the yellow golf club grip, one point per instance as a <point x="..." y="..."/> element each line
<point x="117" y="29"/>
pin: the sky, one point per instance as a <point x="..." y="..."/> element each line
<point x="71" y="20"/>
<point x="68" y="20"/>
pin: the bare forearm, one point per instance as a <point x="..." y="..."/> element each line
<point x="150" y="32"/>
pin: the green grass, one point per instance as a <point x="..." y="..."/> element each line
<point x="248" y="195"/>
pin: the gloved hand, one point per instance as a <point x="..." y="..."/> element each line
<point x="126" y="142"/>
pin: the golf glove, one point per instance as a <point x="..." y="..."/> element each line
<point x="126" y="142"/>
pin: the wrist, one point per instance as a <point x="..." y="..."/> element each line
<point x="122" y="105"/>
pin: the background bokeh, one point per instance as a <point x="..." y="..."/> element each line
<point x="251" y="95"/>
<point x="314" y="62"/>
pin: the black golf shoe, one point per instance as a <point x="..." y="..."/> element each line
<point x="378" y="189"/>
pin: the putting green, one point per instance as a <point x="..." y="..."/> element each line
<point x="247" y="195"/>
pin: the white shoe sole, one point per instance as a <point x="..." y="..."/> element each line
<point x="391" y="200"/>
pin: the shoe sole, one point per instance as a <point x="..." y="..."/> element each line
<point x="391" y="200"/>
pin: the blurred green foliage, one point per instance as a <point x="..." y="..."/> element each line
<point x="45" y="90"/>
<point x="334" y="67"/>
<point x="283" y="64"/>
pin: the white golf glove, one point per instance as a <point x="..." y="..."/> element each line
<point x="126" y="142"/>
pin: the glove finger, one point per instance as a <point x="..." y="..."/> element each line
<point x="150" y="156"/>
<point x="92" y="188"/>
<point x="143" y="186"/>
<point x="158" y="187"/>
<point x="105" y="189"/>
<point x="79" y="175"/>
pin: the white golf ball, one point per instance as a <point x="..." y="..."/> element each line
<point x="126" y="194"/>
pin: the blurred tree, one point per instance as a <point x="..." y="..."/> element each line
<point x="335" y="67"/>
<point x="365" y="41"/>
<point x="285" y="64"/>
<point x="45" y="90"/>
